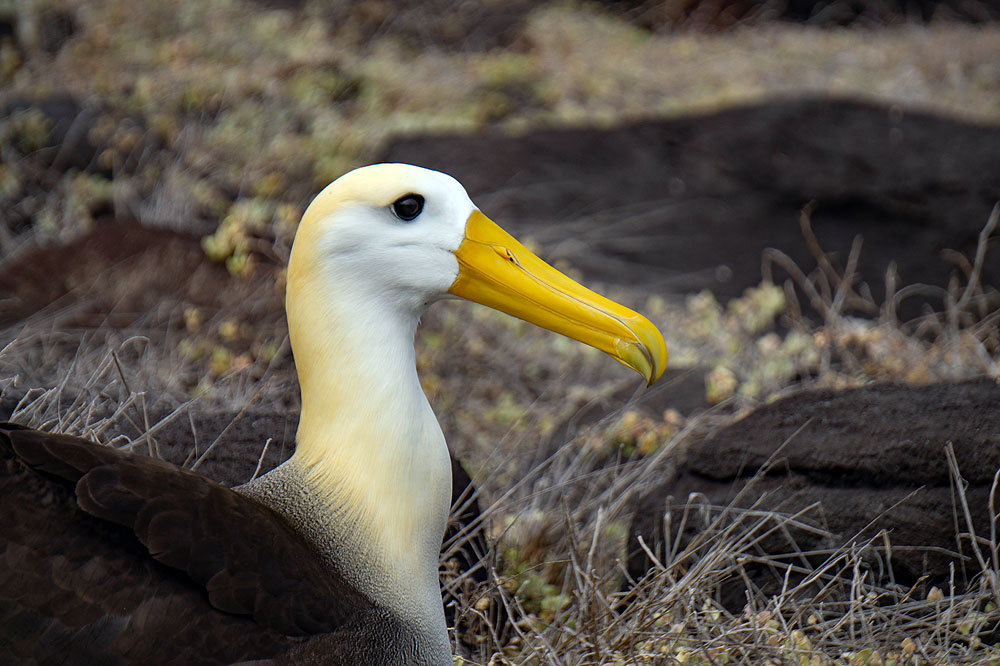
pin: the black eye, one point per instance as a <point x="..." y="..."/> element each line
<point x="408" y="206"/>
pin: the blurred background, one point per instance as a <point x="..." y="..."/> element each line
<point x="801" y="193"/>
<point x="156" y="160"/>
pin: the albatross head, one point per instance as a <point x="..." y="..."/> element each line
<point x="397" y="237"/>
<point x="370" y="482"/>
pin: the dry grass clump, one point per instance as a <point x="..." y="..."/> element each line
<point x="559" y="580"/>
<point x="557" y="515"/>
<point x="556" y="592"/>
<point x="560" y="530"/>
<point x="958" y="339"/>
<point x="760" y="345"/>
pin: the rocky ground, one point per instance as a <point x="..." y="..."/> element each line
<point x="805" y="212"/>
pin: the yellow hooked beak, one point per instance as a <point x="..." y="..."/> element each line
<point x="497" y="271"/>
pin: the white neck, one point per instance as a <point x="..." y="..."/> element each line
<point x="370" y="457"/>
<point x="372" y="446"/>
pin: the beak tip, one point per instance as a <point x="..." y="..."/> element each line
<point x="656" y="370"/>
<point x="654" y="351"/>
<point x="642" y="348"/>
<point x="661" y="361"/>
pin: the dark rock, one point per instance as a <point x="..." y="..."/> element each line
<point x="873" y="459"/>
<point x="8" y="26"/>
<point x="686" y="204"/>
<point x="109" y="268"/>
<point x="659" y="16"/>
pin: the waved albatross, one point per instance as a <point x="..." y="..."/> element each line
<point x="113" y="558"/>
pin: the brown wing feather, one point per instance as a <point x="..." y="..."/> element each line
<point x="116" y="558"/>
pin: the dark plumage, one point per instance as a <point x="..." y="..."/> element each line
<point x="228" y="580"/>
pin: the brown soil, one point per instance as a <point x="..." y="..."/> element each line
<point x="721" y="14"/>
<point x="122" y="270"/>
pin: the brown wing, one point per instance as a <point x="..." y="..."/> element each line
<point x="112" y="558"/>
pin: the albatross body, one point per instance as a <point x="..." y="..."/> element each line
<point x="331" y="558"/>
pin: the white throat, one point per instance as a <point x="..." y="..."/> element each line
<point x="371" y="447"/>
<point x="370" y="456"/>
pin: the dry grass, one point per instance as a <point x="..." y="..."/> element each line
<point x="557" y="522"/>
<point x="834" y="614"/>
<point x="559" y="531"/>
<point x="247" y="129"/>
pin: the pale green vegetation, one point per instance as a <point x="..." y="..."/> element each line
<point x="254" y="108"/>
<point x="267" y="104"/>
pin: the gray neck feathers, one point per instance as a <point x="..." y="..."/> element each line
<point x="413" y="628"/>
